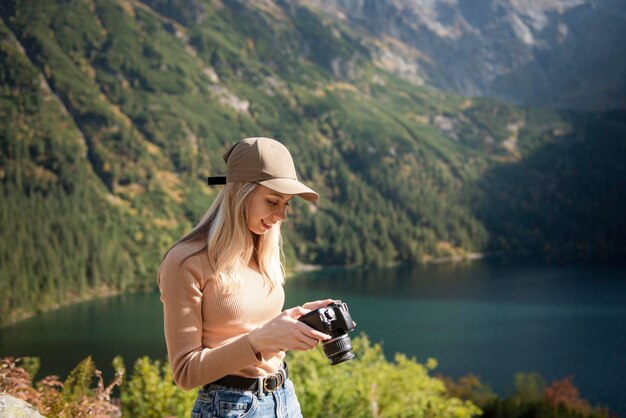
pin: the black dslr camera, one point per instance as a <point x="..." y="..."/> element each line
<point x="334" y="320"/>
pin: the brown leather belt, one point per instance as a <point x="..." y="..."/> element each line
<point x="261" y="384"/>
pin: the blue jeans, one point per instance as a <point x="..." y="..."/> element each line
<point x="217" y="401"/>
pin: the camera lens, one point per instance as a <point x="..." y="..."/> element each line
<point x="339" y="349"/>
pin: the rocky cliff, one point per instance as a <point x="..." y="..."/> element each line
<point x="556" y="53"/>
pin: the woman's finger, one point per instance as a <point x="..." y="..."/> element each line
<point x="307" y="343"/>
<point x="312" y="332"/>
<point x="317" y="304"/>
<point x="297" y="311"/>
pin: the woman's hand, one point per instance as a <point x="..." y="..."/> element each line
<point x="285" y="332"/>
<point x="317" y="304"/>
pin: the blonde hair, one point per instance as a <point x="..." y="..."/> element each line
<point x="230" y="245"/>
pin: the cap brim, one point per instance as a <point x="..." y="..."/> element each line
<point x="291" y="186"/>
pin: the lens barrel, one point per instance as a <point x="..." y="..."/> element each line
<point x="339" y="349"/>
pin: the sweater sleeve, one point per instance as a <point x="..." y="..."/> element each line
<point x="192" y="364"/>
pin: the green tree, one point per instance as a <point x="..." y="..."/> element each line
<point x="150" y="392"/>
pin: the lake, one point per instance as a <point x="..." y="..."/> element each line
<point x="488" y="318"/>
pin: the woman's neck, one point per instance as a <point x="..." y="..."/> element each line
<point x="253" y="264"/>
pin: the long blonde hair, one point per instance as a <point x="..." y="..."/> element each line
<point x="230" y="245"/>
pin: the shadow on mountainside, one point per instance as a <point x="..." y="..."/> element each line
<point x="564" y="201"/>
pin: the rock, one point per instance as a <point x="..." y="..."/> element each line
<point x="11" y="407"/>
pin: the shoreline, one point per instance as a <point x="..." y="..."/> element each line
<point x="73" y="300"/>
<point x="297" y="269"/>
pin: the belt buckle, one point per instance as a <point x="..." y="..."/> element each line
<point x="280" y="379"/>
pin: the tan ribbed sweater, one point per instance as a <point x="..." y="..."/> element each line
<point x="206" y="329"/>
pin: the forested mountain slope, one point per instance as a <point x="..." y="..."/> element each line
<point x="113" y="112"/>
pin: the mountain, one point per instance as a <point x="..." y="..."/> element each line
<point x="559" y="53"/>
<point x="113" y="113"/>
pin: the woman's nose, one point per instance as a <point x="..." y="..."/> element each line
<point x="280" y="213"/>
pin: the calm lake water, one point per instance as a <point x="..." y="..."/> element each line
<point x="490" y="319"/>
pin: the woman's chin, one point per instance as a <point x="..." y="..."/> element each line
<point x="259" y="231"/>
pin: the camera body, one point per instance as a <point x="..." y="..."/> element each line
<point x="334" y="320"/>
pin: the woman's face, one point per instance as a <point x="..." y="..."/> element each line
<point x="265" y="208"/>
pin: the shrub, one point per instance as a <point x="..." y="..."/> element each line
<point x="371" y="386"/>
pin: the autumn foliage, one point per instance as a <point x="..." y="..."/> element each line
<point x="75" y="397"/>
<point x="531" y="397"/>
<point x="563" y="392"/>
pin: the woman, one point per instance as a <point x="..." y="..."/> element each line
<point x="222" y="294"/>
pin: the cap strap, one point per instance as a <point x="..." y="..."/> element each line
<point x="212" y="181"/>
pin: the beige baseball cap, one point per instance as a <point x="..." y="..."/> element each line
<point x="265" y="161"/>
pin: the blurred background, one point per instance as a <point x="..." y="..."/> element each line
<point x="470" y="156"/>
